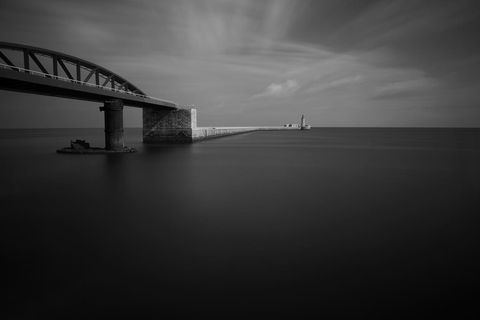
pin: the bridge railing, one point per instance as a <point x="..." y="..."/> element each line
<point x="46" y="75"/>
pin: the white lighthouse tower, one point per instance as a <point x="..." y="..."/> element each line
<point x="304" y="126"/>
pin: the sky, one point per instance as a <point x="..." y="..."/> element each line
<point x="341" y="63"/>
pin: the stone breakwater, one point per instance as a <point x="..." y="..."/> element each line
<point x="181" y="126"/>
<point x="204" y="133"/>
<point x="195" y="134"/>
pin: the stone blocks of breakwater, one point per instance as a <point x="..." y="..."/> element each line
<point x="204" y="133"/>
<point x="181" y="126"/>
<point x="168" y="125"/>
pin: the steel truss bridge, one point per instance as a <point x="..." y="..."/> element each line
<point x="40" y="71"/>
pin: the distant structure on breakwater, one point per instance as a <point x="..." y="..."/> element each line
<point x="302" y="126"/>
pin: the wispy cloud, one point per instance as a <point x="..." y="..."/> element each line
<point x="387" y="22"/>
<point x="348" y="80"/>
<point x="403" y="87"/>
<point x="277" y="90"/>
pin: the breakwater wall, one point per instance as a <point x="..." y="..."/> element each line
<point x="181" y="126"/>
<point x="205" y="133"/>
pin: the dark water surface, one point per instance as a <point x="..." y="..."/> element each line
<point x="338" y="222"/>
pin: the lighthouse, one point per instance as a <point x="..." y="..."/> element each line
<point x="304" y="126"/>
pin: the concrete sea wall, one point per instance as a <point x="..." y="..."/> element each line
<point x="181" y="126"/>
<point x="205" y="133"/>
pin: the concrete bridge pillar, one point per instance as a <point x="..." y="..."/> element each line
<point x="113" y="124"/>
<point x="169" y="125"/>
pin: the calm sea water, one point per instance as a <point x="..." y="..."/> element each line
<point x="328" y="221"/>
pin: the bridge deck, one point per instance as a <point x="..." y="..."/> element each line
<point x="37" y="83"/>
<point x="66" y="76"/>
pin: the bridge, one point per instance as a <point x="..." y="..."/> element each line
<point x="35" y="70"/>
<point x="40" y="71"/>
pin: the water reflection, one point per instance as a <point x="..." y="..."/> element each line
<point x="262" y="220"/>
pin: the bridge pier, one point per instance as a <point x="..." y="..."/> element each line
<point x="113" y="132"/>
<point x="113" y="124"/>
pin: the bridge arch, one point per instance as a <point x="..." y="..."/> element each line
<point x="80" y="71"/>
<point x="46" y="72"/>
